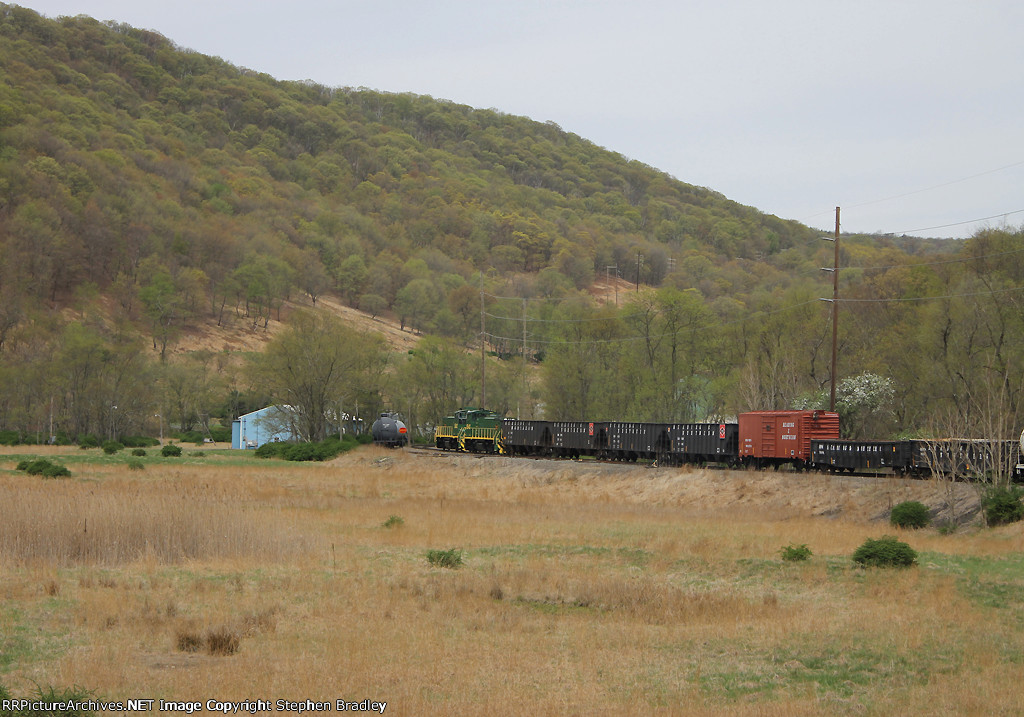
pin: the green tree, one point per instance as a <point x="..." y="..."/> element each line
<point x="582" y="380"/>
<point x="351" y="278"/>
<point x="417" y="302"/>
<point x="318" y="366"/>
<point x="437" y="378"/>
<point x="162" y="304"/>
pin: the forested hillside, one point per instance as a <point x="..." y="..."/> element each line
<point x="146" y="190"/>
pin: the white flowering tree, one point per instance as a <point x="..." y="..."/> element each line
<point x="864" y="403"/>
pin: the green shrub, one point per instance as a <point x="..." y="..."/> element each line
<point x="139" y="452"/>
<point x="9" y="438"/>
<point x="884" y="552"/>
<point x="270" y="450"/>
<point x="136" y="465"/>
<point x="88" y="441"/>
<point x="910" y="514"/>
<point x="1002" y="505"/>
<point x="301" y="452"/>
<point x="170" y="450"/>
<point x="56" y="471"/>
<point x="795" y="553"/>
<point x="43" y="467"/>
<point x="112" y="447"/>
<point x="189" y="437"/>
<point x="221" y="434"/>
<point x="70" y="702"/>
<point x="394" y="521"/>
<point x="445" y="558"/>
<point x="325" y="450"/>
<point x="139" y="442"/>
<point x="39" y="466"/>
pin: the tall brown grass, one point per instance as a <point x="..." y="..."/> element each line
<point x="121" y="520"/>
<point x="584" y="589"/>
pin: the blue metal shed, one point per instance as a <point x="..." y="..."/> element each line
<point x="267" y="425"/>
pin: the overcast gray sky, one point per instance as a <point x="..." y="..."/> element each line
<point x="907" y="114"/>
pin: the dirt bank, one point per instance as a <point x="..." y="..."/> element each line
<point x="782" y="494"/>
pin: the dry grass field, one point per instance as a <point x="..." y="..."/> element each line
<point x="583" y="589"/>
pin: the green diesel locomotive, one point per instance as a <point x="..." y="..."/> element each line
<point x="473" y="430"/>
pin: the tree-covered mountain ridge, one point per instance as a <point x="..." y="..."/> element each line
<point x="126" y="160"/>
<point x="155" y="200"/>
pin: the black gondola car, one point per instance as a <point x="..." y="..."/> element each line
<point x="565" y="439"/>
<point x="630" y="441"/>
<point x="964" y="457"/>
<point x="526" y="438"/>
<point x="833" y="455"/>
<point x="705" y="443"/>
<point x="572" y="439"/>
<point x="957" y="457"/>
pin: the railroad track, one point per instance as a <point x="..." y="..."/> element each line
<point x="434" y="452"/>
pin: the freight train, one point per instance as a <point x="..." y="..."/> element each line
<point x="802" y="439"/>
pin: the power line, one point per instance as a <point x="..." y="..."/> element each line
<point x="524" y="298"/>
<point x="757" y="314"/>
<point x="562" y="321"/>
<point x="623" y="339"/>
<point x="937" y="186"/>
<point x="957" y="224"/>
<point x="930" y="298"/>
<point x="958" y="260"/>
<point x="921" y="191"/>
<point x="934" y="263"/>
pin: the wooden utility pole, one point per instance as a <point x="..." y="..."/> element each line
<point x="523" y="393"/>
<point x="483" y="354"/>
<point x="835" y="316"/>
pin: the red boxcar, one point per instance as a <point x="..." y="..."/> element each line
<point x="777" y="437"/>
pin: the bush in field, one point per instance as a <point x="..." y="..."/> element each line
<point x="70" y="702"/>
<point x="139" y="442"/>
<point x="910" y="514"/>
<point x="189" y="437"/>
<point x="221" y="434"/>
<point x="394" y="521"/>
<point x="445" y="558"/>
<point x="217" y="434"/>
<point x="136" y="465"/>
<point x="270" y="450"/>
<point x="112" y="447"/>
<point x="219" y="641"/>
<point x="138" y="452"/>
<point x="885" y="552"/>
<point x="795" y="553"/>
<point x="1002" y="505"/>
<point x="44" y="468"/>
<point x="171" y="450"/>
<point x="325" y="450"/>
<point x="302" y="452"/>
<point x="89" y="441"/>
<point x="56" y="471"/>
